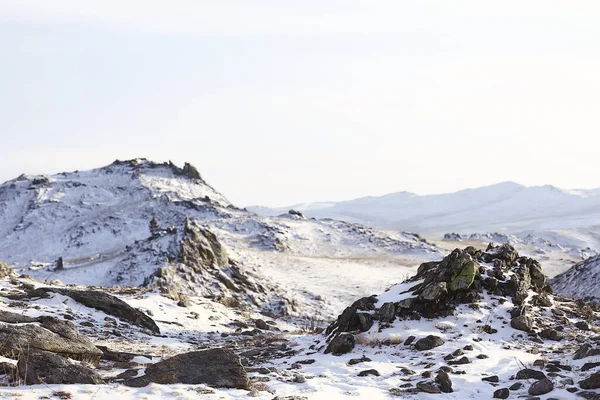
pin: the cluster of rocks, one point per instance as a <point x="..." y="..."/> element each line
<point x="465" y="277"/>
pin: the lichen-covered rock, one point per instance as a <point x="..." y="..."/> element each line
<point x="465" y="278"/>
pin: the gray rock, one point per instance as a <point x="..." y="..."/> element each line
<point x="428" y="387"/>
<point x="14" y="318"/>
<point x="502" y="393"/>
<point x="493" y="379"/>
<point x="409" y="340"/>
<point x="17" y="339"/>
<point x="540" y="387"/>
<point x="584" y="326"/>
<point x="387" y="313"/>
<point x="552" y="334"/>
<point x="591" y="382"/>
<point x="368" y="372"/>
<point x="443" y="379"/>
<point x="341" y="344"/>
<point x="428" y="343"/>
<point x="528" y="373"/>
<point x="44" y="367"/>
<point x="522" y="323"/>
<point x="215" y="367"/>
<point x="434" y="292"/>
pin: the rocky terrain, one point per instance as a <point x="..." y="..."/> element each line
<point x="140" y="281"/>
<point x="581" y="280"/>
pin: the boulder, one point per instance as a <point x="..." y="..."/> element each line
<point x="443" y="379"/>
<point x="387" y="313"/>
<point x="591" y="382"/>
<point x="465" y="278"/>
<point x="341" y="344"/>
<point x="528" y="373"/>
<point x="502" y="393"/>
<point x="540" y="387"/>
<point x="44" y="367"/>
<point x="105" y="302"/>
<point x="17" y="339"/>
<point x="522" y="323"/>
<point x="214" y="367"/>
<point x="429" y="342"/>
<point x="552" y="334"/>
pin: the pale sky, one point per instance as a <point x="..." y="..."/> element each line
<point x="279" y="102"/>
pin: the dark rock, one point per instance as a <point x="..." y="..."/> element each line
<point x="342" y="344"/>
<point x="368" y="372"/>
<point x="552" y="334"/>
<point x="14" y="318"/>
<point x="528" y="373"/>
<point x="590" y="365"/>
<point x="461" y="361"/>
<point x="103" y="301"/>
<point x="354" y="361"/>
<point x="118" y="356"/>
<point x="44" y="367"/>
<point x="443" y="379"/>
<point x="261" y="324"/>
<point x="429" y="342"/>
<point x="540" y="387"/>
<point x="468" y="347"/>
<point x="582" y="325"/>
<point x="522" y="323"/>
<point x="585" y="350"/>
<point x="591" y="382"/>
<point x="428" y="387"/>
<point x="387" y="313"/>
<point x="409" y="340"/>
<point x="214" y="367"/>
<point x="502" y="393"/>
<point x="516" y="386"/>
<point x="493" y="378"/>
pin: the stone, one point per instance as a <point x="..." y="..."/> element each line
<point x="261" y="324"/>
<point x="540" y="387"/>
<point x="428" y="387"/>
<point x="493" y="379"/>
<point x="434" y="292"/>
<point x="443" y="379"/>
<point x="17" y="339"/>
<point x="528" y="373"/>
<point x="341" y="344"/>
<point x="409" y="340"/>
<point x="582" y="325"/>
<point x="522" y="323"/>
<point x="552" y="334"/>
<point x="102" y="301"/>
<point x="44" y="367"/>
<point x="501" y="393"/>
<point x="387" y="313"/>
<point x="461" y="361"/>
<point x="516" y="386"/>
<point x="465" y="278"/>
<point x="590" y="365"/>
<point x="214" y="367"/>
<point x="354" y="361"/>
<point x="429" y="342"/>
<point x="368" y="372"/>
<point x="591" y="382"/>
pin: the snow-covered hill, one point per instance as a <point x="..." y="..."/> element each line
<point x="98" y="223"/>
<point x="505" y="207"/>
<point x="582" y="280"/>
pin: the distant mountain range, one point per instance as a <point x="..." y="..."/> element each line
<point x="505" y="207"/>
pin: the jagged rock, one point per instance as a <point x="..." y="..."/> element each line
<point x="409" y="340"/>
<point x="44" y="367"/>
<point x="341" y="344"/>
<point x="465" y="277"/>
<point x="429" y="342"/>
<point x="540" y="387"/>
<point x="528" y="373"/>
<point x="215" y="367"/>
<point x="17" y="339"/>
<point x="443" y="379"/>
<point x="502" y="393"/>
<point x="350" y="320"/>
<point x="522" y="323"/>
<point x="591" y="382"/>
<point x="552" y="334"/>
<point x="387" y="313"/>
<point x="434" y="292"/>
<point x="585" y="350"/>
<point x="104" y="302"/>
<point x="590" y="365"/>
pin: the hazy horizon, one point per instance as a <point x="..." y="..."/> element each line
<point x="281" y="103"/>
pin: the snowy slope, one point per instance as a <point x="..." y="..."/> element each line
<point x="98" y="222"/>
<point x="505" y="207"/>
<point x="582" y="280"/>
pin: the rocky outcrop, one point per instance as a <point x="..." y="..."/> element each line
<point x="56" y="336"/>
<point x="215" y="367"/>
<point x="44" y="367"/>
<point x="102" y="301"/>
<point x="6" y="271"/>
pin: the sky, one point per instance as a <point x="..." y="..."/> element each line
<point x="280" y="102"/>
